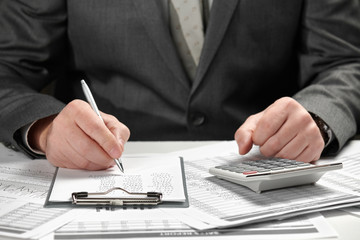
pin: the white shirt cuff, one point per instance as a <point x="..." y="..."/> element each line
<point x="24" y="135"/>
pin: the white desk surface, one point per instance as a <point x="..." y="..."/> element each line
<point x="346" y="225"/>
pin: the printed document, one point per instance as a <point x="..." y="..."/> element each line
<point x="23" y="188"/>
<point x="142" y="174"/>
<point x="155" y="224"/>
<point x="219" y="203"/>
<point x="24" y="184"/>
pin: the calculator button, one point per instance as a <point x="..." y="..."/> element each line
<point x="302" y="164"/>
<point x="276" y="168"/>
<point x="249" y="172"/>
<point x="248" y="162"/>
<point x="225" y="167"/>
<point x="291" y="166"/>
<point x="239" y="170"/>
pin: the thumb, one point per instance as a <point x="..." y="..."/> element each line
<point x="243" y="136"/>
<point x="118" y="129"/>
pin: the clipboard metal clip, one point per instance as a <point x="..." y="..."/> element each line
<point x="99" y="198"/>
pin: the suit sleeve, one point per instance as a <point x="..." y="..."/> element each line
<point x="329" y="58"/>
<point x="32" y="47"/>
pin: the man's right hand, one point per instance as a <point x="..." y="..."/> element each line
<point x="77" y="138"/>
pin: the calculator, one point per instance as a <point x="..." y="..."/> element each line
<point x="267" y="174"/>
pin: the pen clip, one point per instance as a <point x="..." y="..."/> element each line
<point x="85" y="198"/>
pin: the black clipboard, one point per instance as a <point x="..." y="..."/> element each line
<point x="162" y="203"/>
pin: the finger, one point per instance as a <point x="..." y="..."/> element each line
<point x="292" y="149"/>
<point x="277" y="142"/>
<point x="288" y="132"/>
<point x="118" y="129"/>
<point x="306" y="146"/>
<point x="68" y="146"/>
<point x="88" y="152"/>
<point x="80" y="162"/>
<point x="243" y="135"/>
<point x="312" y="152"/>
<point x="308" y="155"/>
<point x="95" y="128"/>
<point x="272" y="120"/>
<point x="68" y="156"/>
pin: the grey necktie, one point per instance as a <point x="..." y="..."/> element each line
<point x="188" y="31"/>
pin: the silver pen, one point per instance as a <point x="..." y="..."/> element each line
<point x="91" y="101"/>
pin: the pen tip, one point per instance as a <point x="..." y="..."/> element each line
<point x="119" y="164"/>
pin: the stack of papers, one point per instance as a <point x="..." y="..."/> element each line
<point x="215" y="205"/>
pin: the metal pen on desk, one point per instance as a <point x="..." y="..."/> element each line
<point x="91" y="101"/>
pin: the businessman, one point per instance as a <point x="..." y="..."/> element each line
<point x="284" y="75"/>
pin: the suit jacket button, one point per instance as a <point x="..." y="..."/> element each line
<point x="197" y="119"/>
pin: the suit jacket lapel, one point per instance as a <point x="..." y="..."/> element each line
<point x="220" y="16"/>
<point x="157" y="27"/>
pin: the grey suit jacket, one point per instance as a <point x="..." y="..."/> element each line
<point x="255" y="52"/>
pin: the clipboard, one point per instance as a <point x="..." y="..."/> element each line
<point x="85" y="199"/>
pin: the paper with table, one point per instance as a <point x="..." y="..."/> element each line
<point x="24" y="184"/>
<point x="216" y="203"/>
<point x="156" y="224"/>
<point x="143" y="174"/>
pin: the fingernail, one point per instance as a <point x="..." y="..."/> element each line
<point x="115" y="152"/>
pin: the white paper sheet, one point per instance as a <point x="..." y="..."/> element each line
<point x="142" y="174"/>
<point x="21" y="177"/>
<point x="353" y="210"/>
<point x="29" y="220"/>
<point x="24" y="184"/>
<point x="156" y="224"/>
<point x="139" y="223"/>
<point x="218" y="203"/>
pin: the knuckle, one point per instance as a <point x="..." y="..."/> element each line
<point x="113" y="118"/>
<point x="74" y="105"/>
<point x="314" y="136"/>
<point x="107" y="143"/>
<point x="313" y="128"/>
<point x="320" y="144"/>
<point x="265" y="151"/>
<point x="78" y="108"/>
<point x="250" y="118"/>
<point x="109" y="117"/>
<point x="305" y="118"/>
<point x="94" y="127"/>
<point x="273" y="144"/>
<point x="286" y="102"/>
<point x="268" y="124"/>
<point x="127" y="133"/>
